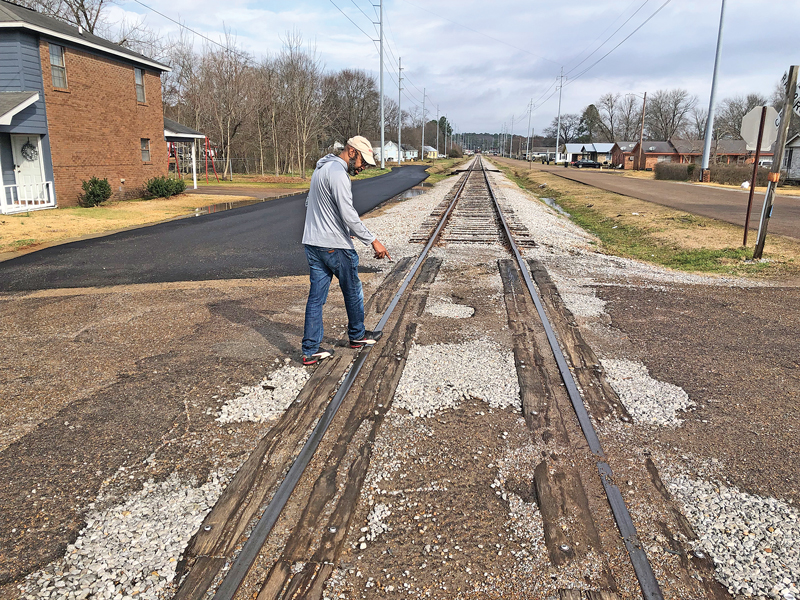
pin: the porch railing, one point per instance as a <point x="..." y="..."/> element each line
<point x="27" y="196"/>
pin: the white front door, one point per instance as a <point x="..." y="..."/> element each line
<point x="28" y="169"/>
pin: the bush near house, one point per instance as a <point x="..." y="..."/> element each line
<point x="164" y="187"/>
<point x="736" y="175"/>
<point x="455" y="153"/>
<point x="676" y="172"/>
<point x="95" y="191"/>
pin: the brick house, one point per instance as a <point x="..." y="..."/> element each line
<point x="622" y="155"/>
<point x="729" y="152"/>
<point x="74" y="106"/>
<point x="653" y="153"/>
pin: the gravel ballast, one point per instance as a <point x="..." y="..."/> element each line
<point x="267" y="400"/>
<point x="131" y="549"/>
<point x="753" y="540"/>
<point x="440" y="376"/>
<point x="649" y="401"/>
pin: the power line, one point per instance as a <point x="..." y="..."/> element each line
<point x="246" y="56"/>
<point x="602" y="33"/>
<point x="609" y="37"/>
<point x="622" y="42"/>
<point x="481" y="33"/>
<point x="349" y="19"/>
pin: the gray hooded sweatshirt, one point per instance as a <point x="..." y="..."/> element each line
<point x="330" y="216"/>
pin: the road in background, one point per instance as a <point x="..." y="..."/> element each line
<point x="718" y="203"/>
<point x="261" y="240"/>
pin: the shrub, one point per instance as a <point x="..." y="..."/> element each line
<point x="737" y="174"/>
<point x="673" y="171"/>
<point x="455" y="153"/>
<point x="164" y="187"/>
<point x="95" y="191"/>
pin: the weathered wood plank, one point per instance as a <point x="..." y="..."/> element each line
<point x="569" y="595"/>
<point x="200" y="577"/>
<point x="601" y="595"/>
<point x="328" y="534"/>
<point x="601" y="398"/>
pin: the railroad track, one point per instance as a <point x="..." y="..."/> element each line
<point x="283" y="523"/>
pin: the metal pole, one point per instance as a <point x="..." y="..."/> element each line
<point x="558" y="127"/>
<point x="422" y="152"/>
<point x="710" y="121"/>
<point x="528" y="142"/>
<point x="383" y="142"/>
<point x="755" y="173"/>
<point x="399" y="110"/>
<point x="194" y="164"/>
<point x="511" y="144"/>
<point x="437" y="131"/>
<point x="777" y="159"/>
<point x="641" y="132"/>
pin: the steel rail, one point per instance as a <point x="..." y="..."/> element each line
<point x="641" y="565"/>
<point x="251" y="548"/>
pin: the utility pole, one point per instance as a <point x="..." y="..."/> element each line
<point x="437" y="131"/>
<point x="424" y="97"/>
<point x="641" y="132"/>
<point x="383" y="142"/>
<point x="399" y="110"/>
<point x="528" y="133"/>
<point x="511" y="145"/>
<point x="704" y="174"/>
<point x="558" y="127"/>
<point x="777" y="160"/>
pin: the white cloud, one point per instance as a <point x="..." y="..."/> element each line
<point x="480" y="82"/>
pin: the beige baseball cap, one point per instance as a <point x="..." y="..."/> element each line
<point x="362" y="144"/>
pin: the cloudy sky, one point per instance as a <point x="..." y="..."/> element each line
<point x="483" y="62"/>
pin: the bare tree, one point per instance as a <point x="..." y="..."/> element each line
<point x="668" y="113"/>
<point x="730" y="113"/>
<point x="572" y="128"/>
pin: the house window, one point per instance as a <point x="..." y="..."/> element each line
<point x="139" y="76"/>
<point x="664" y="158"/>
<point x="145" y="150"/>
<point x="57" y="67"/>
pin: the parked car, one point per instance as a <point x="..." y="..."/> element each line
<point x="589" y="164"/>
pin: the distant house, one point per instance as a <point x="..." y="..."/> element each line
<point x="729" y="152"/>
<point x="174" y="134"/>
<point x="74" y="106"/>
<point x="654" y="153"/>
<point x="622" y="154"/>
<point x="391" y="151"/>
<point x="410" y="152"/>
<point x="791" y="158"/>
<point x="600" y="152"/>
<point x="429" y="152"/>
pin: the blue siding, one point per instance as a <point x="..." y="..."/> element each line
<point x="21" y="70"/>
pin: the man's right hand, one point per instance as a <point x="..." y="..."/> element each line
<point x="380" y="250"/>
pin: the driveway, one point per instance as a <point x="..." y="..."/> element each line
<point x="723" y="204"/>
<point x="257" y="241"/>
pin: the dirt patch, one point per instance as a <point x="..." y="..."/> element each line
<point x="34" y="230"/>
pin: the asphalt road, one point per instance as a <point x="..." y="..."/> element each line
<point x="718" y="203"/>
<point x="262" y="240"/>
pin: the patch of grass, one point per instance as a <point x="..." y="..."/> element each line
<point x="639" y="230"/>
<point x="19" y="244"/>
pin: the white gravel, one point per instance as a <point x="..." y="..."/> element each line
<point x="131" y="549"/>
<point x="445" y="308"/>
<point x="648" y="400"/>
<point x="754" y="541"/>
<point x="439" y="376"/>
<point x="267" y="400"/>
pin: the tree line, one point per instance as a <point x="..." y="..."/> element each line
<point x="670" y="113"/>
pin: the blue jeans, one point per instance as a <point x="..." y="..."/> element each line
<point x="323" y="264"/>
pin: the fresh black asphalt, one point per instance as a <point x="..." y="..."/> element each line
<point x="257" y="241"/>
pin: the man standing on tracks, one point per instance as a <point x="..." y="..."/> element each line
<point x="331" y="223"/>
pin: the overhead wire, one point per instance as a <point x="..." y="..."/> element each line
<point x="609" y="37"/>
<point x="646" y="21"/>
<point x="348" y="18"/>
<point x="198" y="34"/>
<point x="602" y="33"/>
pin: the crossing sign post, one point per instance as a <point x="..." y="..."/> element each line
<point x="791" y="103"/>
